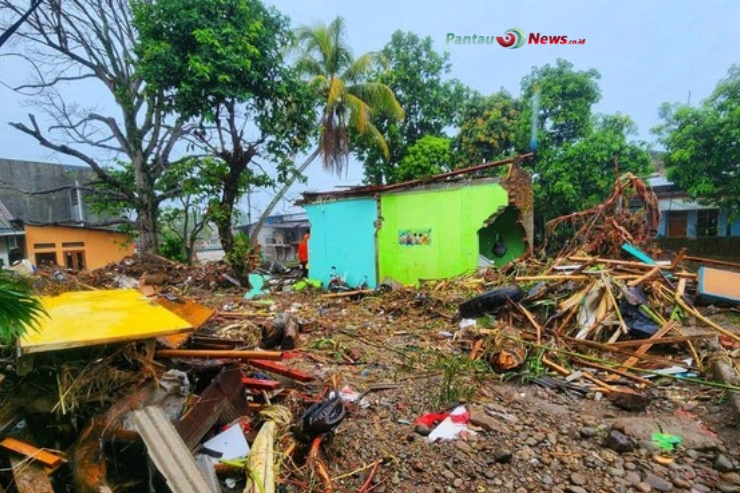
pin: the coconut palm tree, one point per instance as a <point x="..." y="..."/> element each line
<point x="349" y="98"/>
<point x="19" y="310"/>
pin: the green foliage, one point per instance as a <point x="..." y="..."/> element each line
<point x="702" y="152"/>
<point x="579" y="174"/>
<point x="240" y="256"/>
<point x="431" y="103"/>
<point x="429" y="156"/>
<point x="460" y="377"/>
<point x="566" y="98"/>
<point x="488" y="129"/>
<point x="19" y="309"/>
<point x="350" y="101"/>
<point x="172" y="247"/>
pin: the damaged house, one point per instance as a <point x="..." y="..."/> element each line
<point x="439" y="227"/>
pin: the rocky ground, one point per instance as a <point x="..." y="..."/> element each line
<point x="528" y="438"/>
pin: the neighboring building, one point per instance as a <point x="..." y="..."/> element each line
<point x="44" y="204"/>
<point x="704" y="230"/>
<point x="22" y="181"/>
<point x="11" y="238"/>
<point x="280" y="236"/>
<point x="76" y="248"/>
<point x="680" y="217"/>
<point x="431" y="229"/>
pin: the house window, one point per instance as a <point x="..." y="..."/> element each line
<point x="12" y="242"/>
<point x="74" y="260"/>
<point x="44" y="246"/>
<point x="74" y="197"/>
<point x="677" y="221"/>
<point x="48" y="258"/>
<point x="707" y="222"/>
<point x="73" y="244"/>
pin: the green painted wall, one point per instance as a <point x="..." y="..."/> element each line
<point x="512" y="235"/>
<point x="450" y="218"/>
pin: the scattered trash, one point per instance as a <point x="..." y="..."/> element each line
<point x="452" y="425"/>
<point x="666" y="442"/>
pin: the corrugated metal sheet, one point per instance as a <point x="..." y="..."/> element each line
<point x="169" y="453"/>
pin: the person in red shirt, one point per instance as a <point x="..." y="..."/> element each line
<point x="303" y="252"/>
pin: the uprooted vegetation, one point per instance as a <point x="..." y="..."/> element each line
<point x="605" y="328"/>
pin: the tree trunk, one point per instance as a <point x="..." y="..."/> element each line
<point x="279" y="196"/>
<point x="147" y="208"/>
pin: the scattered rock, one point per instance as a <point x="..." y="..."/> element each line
<point x="576" y="489"/>
<point x="690" y="430"/>
<point x="502" y="455"/>
<point x="643" y="487"/>
<point x="658" y="483"/>
<point x="479" y="417"/>
<point x="619" y="442"/>
<point x="727" y="487"/>
<point x="680" y="482"/>
<point x="616" y="472"/>
<point x="731" y="477"/>
<point x="422" y="430"/>
<point x="632" y="478"/>
<point x="723" y="464"/>
<point x="457" y="483"/>
<point x="577" y="479"/>
<point x="629" y="401"/>
<point x="587" y="432"/>
<point x="692" y="454"/>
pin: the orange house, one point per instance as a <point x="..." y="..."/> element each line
<point x="76" y="248"/>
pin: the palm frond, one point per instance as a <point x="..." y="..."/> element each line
<point x="379" y="97"/>
<point x="336" y="92"/>
<point x="361" y="68"/>
<point x="19" y="309"/>
<point x="360" y="113"/>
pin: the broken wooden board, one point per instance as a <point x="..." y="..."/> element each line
<point x="40" y="455"/>
<point x="222" y="401"/>
<point x="719" y="286"/>
<point x="168" y="452"/>
<point x="281" y="370"/>
<point x="191" y="311"/>
<point x="91" y="318"/>
<point x="29" y="477"/>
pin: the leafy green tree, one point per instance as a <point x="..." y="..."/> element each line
<point x="566" y="97"/>
<point x="702" y="152"/>
<point x="91" y="42"/>
<point x="489" y="127"/>
<point x="221" y="63"/>
<point x="19" y="309"/>
<point x="431" y="102"/>
<point x="429" y="156"/>
<point x="350" y="102"/>
<point x="581" y="174"/>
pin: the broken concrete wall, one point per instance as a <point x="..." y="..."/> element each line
<point x="518" y="184"/>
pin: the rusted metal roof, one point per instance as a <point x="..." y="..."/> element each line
<point x="168" y="452"/>
<point x="309" y="197"/>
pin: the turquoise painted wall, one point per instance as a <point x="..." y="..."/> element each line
<point x="448" y="218"/>
<point x="343" y="235"/>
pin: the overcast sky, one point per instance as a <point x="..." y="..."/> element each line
<point x="647" y="52"/>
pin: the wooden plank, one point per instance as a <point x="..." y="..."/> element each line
<point x="21" y="448"/>
<point x="29" y="477"/>
<point x="281" y="370"/>
<point x="712" y="261"/>
<point x="219" y="354"/>
<point x="92" y="318"/>
<point x="189" y="310"/>
<point x="632" y="360"/>
<point x="258" y="384"/>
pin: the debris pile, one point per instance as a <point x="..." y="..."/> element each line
<point x="297" y="391"/>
